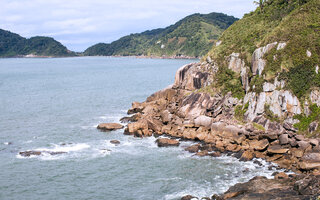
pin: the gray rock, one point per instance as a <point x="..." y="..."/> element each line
<point x="258" y="63"/>
<point x="284" y="139"/>
<point x="313" y="126"/>
<point x="314" y="142"/>
<point x="303" y="144"/>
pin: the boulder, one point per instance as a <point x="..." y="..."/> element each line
<point x="202" y="153"/>
<point x="166" y="116"/>
<point x="284" y="139"/>
<point x="303" y="145"/>
<point x="259" y="145"/>
<point x="189" y="197"/>
<point x="314" y="142"/>
<point x="132" y="118"/>
<point x="203" y="120"/>
<point x="193" y="149"/>
<point x="277" y="149"/>
<point x="309" y="185"/>
<point x="109" y="126"/>
<point x="246" y="156"/>
<point x="166" y="142"/>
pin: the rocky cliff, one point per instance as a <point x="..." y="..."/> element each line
<point x="255" y="98"/>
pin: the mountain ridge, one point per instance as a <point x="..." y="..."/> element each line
<point x="191" y="36"/>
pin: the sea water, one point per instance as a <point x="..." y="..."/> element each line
<point x="55" y="104"/>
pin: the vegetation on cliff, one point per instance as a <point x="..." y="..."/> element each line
<point x="12" y="44"/>
<point x="297" y="23"/>
<point x="191" y="36"/>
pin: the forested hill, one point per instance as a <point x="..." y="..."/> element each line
<point x="12" y="45"/>
<point x="192" y="36"/>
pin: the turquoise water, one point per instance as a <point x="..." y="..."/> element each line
<point x="55" y="105"/>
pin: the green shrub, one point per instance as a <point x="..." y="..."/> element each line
<point x="305" y="121"/>
<point x="239" y="111"/>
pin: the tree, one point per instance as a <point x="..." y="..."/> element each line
<point x="260" y="3"/>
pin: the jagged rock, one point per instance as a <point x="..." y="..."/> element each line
<point x="235" y="63"/>
<point x="132" y="118"/>
<point x="258" y="63"/>
<point x="284" y="139"/>
<point x="166" y="142"/>
<point x="155" y="125"/>
<point x="268" y="87"/>
<point x="139" y="128"/>
<point x="136" y="107"/>
<point x="289" y="127"/>
<point x="215" y="154"/>
<point x="277" y="149"/>
<point x="309" y="185"/>
<point x="109" y="126"/>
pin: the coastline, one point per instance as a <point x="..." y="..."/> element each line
<point x="180" y="114"/>
<point x="116" y="56"/>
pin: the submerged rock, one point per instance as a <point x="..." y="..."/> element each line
<point x="116" y="142"/>
<point x="38" y="153"/>
<point x="166" y="142"/>
<point x="109" y="126"/>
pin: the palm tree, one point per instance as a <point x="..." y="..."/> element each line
<point x="260" y="3"/>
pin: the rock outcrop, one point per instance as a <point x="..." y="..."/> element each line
<point x="109" y="126"/>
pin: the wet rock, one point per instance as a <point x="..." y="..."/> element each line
<point x="257" y="162"/>
<point x="246" y="156"/>
<point x="116" y="142"/>
<point x="189" y="197"/>
<point x="193" y="149"/>
<point x="38" y="153"/>
<point x="166" y="142"/>
<point x="109" y="126"/>
<point x="7" y="143"/>
<point x="202" y="153"/>
<point x="30" y="153"/>
<point x="215" y="154"/>
<point x="281" y="175"/>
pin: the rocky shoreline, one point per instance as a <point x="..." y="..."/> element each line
<point x="181" y="113"/>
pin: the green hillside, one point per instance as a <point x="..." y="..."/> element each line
<point x="191" y="36"/>
<point x="295" y="22"/>
<point x="12" y="44"/>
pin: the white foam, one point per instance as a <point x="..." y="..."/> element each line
<point x="66" y="148"/>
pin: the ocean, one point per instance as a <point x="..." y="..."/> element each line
<point x="55" y="104"/>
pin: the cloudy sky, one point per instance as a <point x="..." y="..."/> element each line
<point x="81" y="23"/>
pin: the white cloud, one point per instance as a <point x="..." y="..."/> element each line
<point x="80" y="23"/>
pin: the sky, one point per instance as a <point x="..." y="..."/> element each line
<point x="78" y="24"/>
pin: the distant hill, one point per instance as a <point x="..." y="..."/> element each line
<point x="12" y="45"/>
<point x="192" y="36"/>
